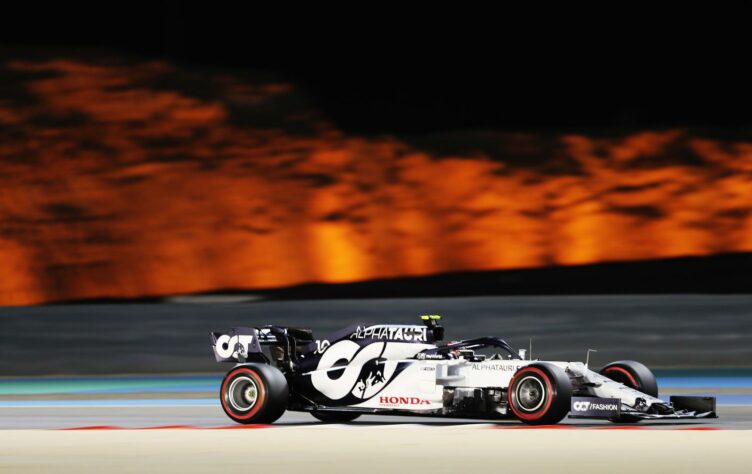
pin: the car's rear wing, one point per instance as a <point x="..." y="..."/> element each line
<point x="237" y="345"/>
<point x="244" y="343"/>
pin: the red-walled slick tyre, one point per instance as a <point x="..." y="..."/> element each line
<point x="254" y="393"/>
<point x="632" y="374"/>
<point x="540" y="394"/>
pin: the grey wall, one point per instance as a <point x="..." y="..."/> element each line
<point x="662" y="331"/>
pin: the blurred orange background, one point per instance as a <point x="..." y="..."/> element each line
<point x="135" y="179"/>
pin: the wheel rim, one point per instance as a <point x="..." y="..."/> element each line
<point x="243" y="393"/>
<point x="530" y="394"/>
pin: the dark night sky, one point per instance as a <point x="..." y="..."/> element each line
<point x="388" y="72"/>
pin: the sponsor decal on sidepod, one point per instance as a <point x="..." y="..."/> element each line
<point x="506" y="367"/>
<point x="402" y="401"/>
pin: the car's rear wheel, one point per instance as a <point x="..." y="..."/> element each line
<point x="254" y="393"/>
<point x="335" y="416"/>
<point x="632" y="374"/>
<point x="540" y="394"/>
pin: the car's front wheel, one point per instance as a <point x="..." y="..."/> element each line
<point x="540" y="394"/>
<point x="632" y="374"/>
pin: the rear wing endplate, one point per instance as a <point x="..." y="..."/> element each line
<point x="235" y="346"/>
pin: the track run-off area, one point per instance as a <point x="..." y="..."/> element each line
<point x="375" y="448"/>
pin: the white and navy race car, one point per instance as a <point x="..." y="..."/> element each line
<point x="395" y="369"/>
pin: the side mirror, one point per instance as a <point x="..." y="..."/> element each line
<point x="522" y="353"/>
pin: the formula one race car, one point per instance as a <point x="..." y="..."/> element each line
<point x="395" y="369"/>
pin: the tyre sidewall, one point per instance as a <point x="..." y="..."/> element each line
<point x="635" y="374"/>
<point x="558" y="394"/>
<point x="272" y="395"/>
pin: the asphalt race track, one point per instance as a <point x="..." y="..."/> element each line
<point x="731" y="417"/>
<point x="192" y="400"/>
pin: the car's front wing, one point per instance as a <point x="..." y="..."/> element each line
<point x="679" y="408"/>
